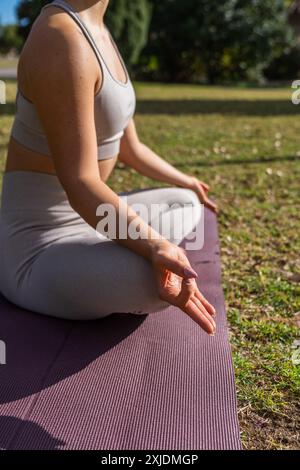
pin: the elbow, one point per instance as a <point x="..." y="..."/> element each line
<point x="77" y="188"/>
<point x="73" y="200"/>
<point x="130" y="152"/>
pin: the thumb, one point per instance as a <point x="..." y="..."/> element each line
<point x="181" y="268"/>
<point x="187" y="290"/>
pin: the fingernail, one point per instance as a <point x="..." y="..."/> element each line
<point x="211" y="334"/>
<point x="188" y="272"/>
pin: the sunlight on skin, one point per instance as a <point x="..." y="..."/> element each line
<point x="202" y="189"/>
<point x="184" y="293"/>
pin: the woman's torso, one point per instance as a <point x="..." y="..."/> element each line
<point x="113" y="81"/>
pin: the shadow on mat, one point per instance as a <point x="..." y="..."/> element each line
<point x="42" y="351"/>
<point x="41" y="438"/>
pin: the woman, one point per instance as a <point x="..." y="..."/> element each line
<point x="75" y="107"/>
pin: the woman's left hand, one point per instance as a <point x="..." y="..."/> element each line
<point x="201" y="189"/>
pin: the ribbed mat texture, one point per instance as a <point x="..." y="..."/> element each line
<point x="123" y="383"/>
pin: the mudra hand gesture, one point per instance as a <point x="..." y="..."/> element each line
<point x="177" y="285"/>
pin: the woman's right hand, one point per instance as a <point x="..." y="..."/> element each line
<point x="177" y="284"/>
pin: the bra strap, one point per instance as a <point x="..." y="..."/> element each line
<point x="70" y="10"/>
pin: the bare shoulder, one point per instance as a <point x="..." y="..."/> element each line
<point x="56" y="49"/>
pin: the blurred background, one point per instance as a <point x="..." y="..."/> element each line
<point x="194" y="41"/>
<point x="213" y="81"/>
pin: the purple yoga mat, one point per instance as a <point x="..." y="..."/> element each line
<point x="125" y="382"/>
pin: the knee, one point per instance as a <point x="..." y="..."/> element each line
<point x="181" y="197"/>
<point x="189" y="200"/>
<point x="188" y="196"/>
<point x="156" y="307"/>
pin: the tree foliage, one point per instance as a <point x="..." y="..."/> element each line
<point x="227" y="39"/>
<point x="191" y="40"/>
<point x="9" y="39"/>
<point x="27" y="12"/>
<point x="128" y="21"/>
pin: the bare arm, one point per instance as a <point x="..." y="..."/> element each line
<point x="146" y="162"/>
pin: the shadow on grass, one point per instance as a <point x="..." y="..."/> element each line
<point x="8" y="109"/>
<point x="181" y="107"/>
<point x="238" y="161"/>
<point x="234" y="107"/>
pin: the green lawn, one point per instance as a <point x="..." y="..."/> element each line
<point x="245" y="143"/>
<point x="8" y="63"/>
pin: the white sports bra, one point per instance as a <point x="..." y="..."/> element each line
<point x="114" y="105"/>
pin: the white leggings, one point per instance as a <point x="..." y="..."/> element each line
<point x="54" y="263"/>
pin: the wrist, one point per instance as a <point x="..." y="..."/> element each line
<point x="155" y="246"/>
<point x="190" y="182"/>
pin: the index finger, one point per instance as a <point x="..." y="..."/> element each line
<point x="211" y="205"/>
<point x="197" y="315"/>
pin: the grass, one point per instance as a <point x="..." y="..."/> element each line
<point x="245" y="143"/>
<point x="8" y="63"/>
